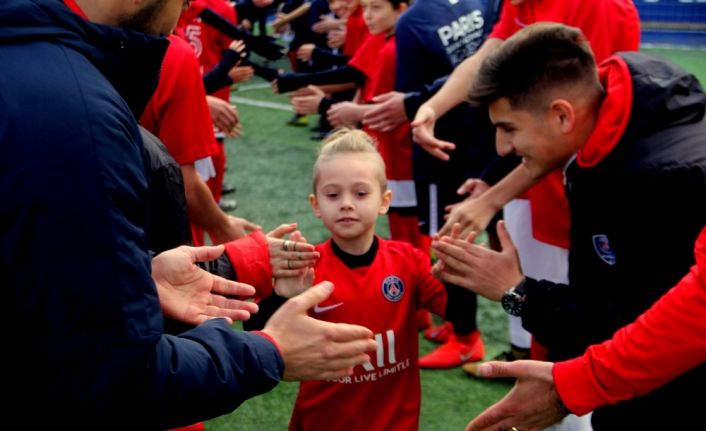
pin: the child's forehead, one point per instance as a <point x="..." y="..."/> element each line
<point x="348" y="166"/>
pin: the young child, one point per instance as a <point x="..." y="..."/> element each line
<point x="379" y="284"/>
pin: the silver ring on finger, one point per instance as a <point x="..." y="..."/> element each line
<point x="289" y="264"/>
<point x="285" y="245"/>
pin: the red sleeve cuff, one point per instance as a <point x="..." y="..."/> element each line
<point x="250" y="257"/>
<point x="268" y="338"/>
<point x="577" y="386"/>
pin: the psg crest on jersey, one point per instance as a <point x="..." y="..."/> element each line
<point x="603" y="249"/>
<point x="393" y="288"/>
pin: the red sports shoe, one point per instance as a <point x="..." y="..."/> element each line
<point x="454" y="353"/>
<point x="439" y="334"/>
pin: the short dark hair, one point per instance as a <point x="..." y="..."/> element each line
<point x="536" y="59"/>
<point x="396" y="3"/>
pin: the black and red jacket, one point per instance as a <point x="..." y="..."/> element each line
<point x="637" y="196"/>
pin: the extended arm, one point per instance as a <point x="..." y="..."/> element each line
<point x="451" y="94"/>
<point x="663" y="343"/>
<point x="342" y="75"/>
<point x="474" y="214"/>
<point x="205" y="213"/>
<point x="284" y="19"/>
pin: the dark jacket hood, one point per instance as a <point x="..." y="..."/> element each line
<point x="644" y="94"/>
<point x="130" y="60"/>
<point x="668" y="95"/>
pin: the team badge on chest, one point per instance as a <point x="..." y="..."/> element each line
<point x="393" y="288"/>
<point x="603" y="249"/>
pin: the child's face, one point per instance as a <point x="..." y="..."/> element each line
<point x="343" y="8"/>
<point x="348" y="198"/>
<point x="380" y="16"/>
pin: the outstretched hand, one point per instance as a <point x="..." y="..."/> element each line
<point x="533" y="404"/>
<point x="289" y="287"/>
<point x="423" y="134"/>
<point x="472" y="214"/>
<point x="388" y="112"/>
<point x="313" y="349"/>
<point x="486" y="272"/>
<point x="192" y="295"/>
<point x="290" y="257"/>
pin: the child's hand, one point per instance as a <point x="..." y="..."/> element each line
<point x="304" y="52"/>
<point x="240" y="74"/>
<point x="290" y="257"/>
<point x="344" y="114"/>
<point x="308" y="104"/>
<point x="289" y="287"/>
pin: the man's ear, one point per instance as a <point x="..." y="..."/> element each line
<point x="385" y="202"/>
<point x="563" y="115"/>
<point x="314" y="205"/>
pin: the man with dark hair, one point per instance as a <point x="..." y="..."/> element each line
<point x="629" y="134"/>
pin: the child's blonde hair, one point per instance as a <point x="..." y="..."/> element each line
<point x="350" y="141"/>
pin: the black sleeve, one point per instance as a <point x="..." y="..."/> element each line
<point x="414" y="99"/>
<point x="324" y="106"/>
<point x="218" y="77"/>
<point x="268" y="306"/>
<point x="292" y="81"/>
<point x="262" y="45"/>
<point x="325" y="58"/>
<point x="264" y="72"/>
<point x="551" y="315"/>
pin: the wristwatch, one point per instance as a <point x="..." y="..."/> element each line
<point x="513" y="301"/>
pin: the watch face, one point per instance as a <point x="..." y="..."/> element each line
<point x="512" y="303"/>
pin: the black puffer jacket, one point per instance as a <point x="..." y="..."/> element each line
<point x="636" y="210"/>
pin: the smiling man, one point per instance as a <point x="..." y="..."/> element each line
<point x="630" y="135"/>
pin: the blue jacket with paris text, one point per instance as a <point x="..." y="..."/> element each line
<point x="83" y="329"/>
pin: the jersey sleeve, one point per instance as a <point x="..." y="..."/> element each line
<point x="178" y="113"/>
<point x="250" y="258"/>
<point x="507" y="24"/>
<point x="431" y="293"/>
<point x="663" y="343"/>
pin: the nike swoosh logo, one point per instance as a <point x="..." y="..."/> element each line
<point x="319" y="309"/>
<point x="467" y="356"/>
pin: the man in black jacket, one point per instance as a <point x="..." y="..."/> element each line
<point x="632" y="138"/>
<point x="83" y="317"/>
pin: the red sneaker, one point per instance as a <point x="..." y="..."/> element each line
<point x="439" y="334"/>
<point x="423" y="318"/>
<point x="454" y="353"/>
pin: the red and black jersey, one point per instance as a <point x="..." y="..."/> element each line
<point x="178" y="113"/>
<point x="367" y="60"/>
<point x="356" y="32"/>
<point x="380" y="68"/>
<point x="208" y="42"/>
<point x="385" y="393"/>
